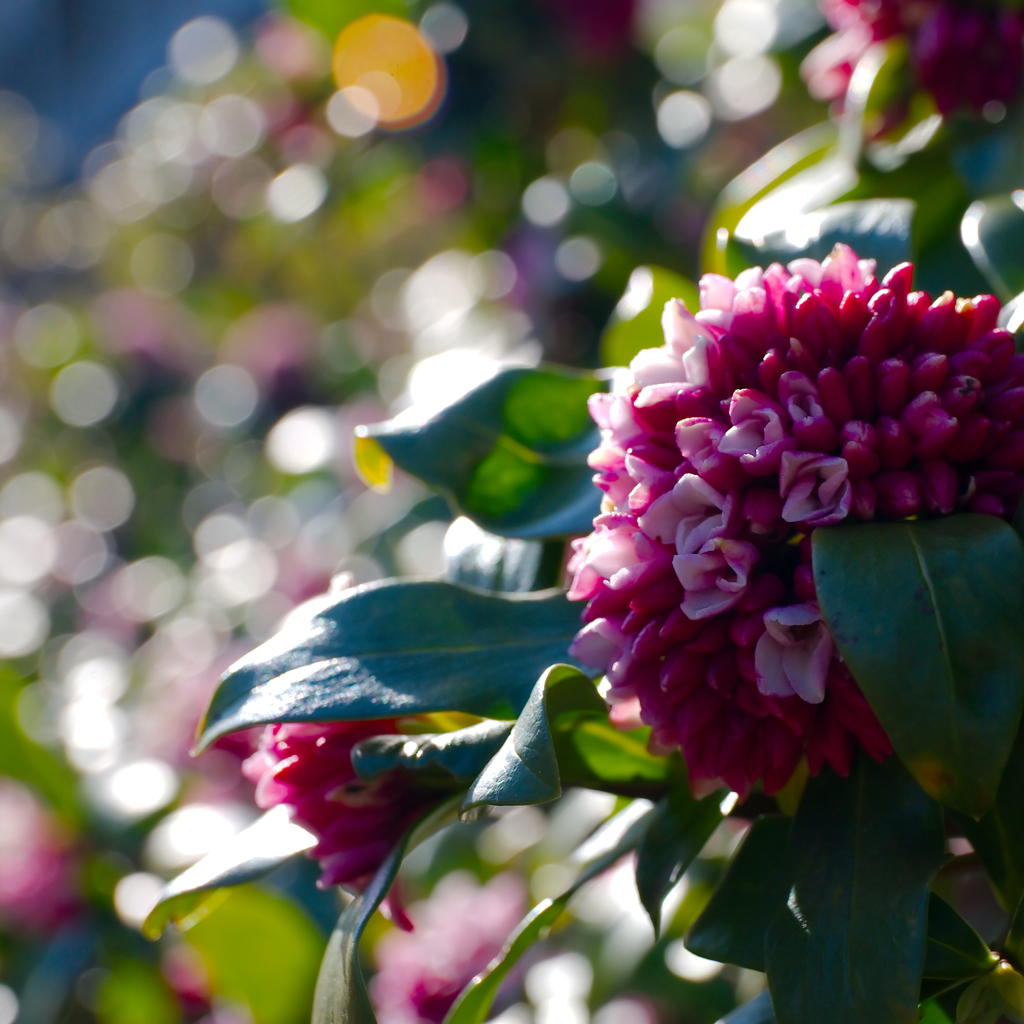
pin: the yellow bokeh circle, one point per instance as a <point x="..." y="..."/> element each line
<point x="389" y="59"/>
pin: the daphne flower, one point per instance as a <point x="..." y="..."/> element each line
<point x="816" y="488"/>
<point x="813" y="393"/>
<point x="308" y="766"/>
<point x="794" y="653"/>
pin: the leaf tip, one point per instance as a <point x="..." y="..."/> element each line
<point x="372" y="463"/>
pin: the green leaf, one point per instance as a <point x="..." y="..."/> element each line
<point x="848" y="947"/>
<point x="341" y="996"/>
<point x="397" y="647"/>
<point x="511" y="455"/>
<point x="757" y="1011"/>
<point x="998" y="837"/>
<point x="876" y="228"/>
<point x="785" y="164"/>
<point x="331" y="16"/>
<point x="30" y="763"/>
<point x="751" y="891"/>
<point x="615" y="838"/>
<point x="563" y="737"/>
<point x="927" y="616"/>
<point x="446" y="757"/>
<point x="636" y="322"/>
<point x="955" y="951"/>
<point x="261" y="950"/>
<point x="252" y="853"/>
<point x="476" y="558"/>
<point x="993" y="231"/>
<point x="678" y="832"/>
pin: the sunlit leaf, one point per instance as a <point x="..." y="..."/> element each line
<point x="262" y="950"/>
<point x="848" y="946"/>
<point x="928" y="618"/>
<point x="778" y="168"/>
<point x="252" y="853"/>
<point x="398" y="647"/>
<point x="511" y="455"/>
<point x="678" y="832"/>
<point x="457" y="756"/>
<point x="636" y="322"/>
<point x="476" y="558"/>
<point x="563" y="737"/>
<point x="993" y="231"/>
<point x="875" y="228"/>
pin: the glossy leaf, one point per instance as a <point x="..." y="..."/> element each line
<point x="993" y="231"/>
<point x="680" y="828"/>
<point x="754" y="886"/>
<point x="928" y="617"/>
<point x="446" y="757"/>
<point x="512" y="454"/>
<point x="397" y="647"/>
<point x="251" y="854"/>
<point x="476" y="558"/>
<point x="636" y="322"/>
<point x="341" y="996"/>
<point x="998" y="837"/>
<point x="880" y="228"/>
<point x="262" y="951"/>
<point x="848" y="946"/>
<point x="769" y="175"/>
<point x="955" y="951"/>
<point x="757" y="1011"/>
<point x="563" y="737"/>
<point x="615" y="838"/>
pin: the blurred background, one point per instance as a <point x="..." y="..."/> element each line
<point x="226" y="238"/>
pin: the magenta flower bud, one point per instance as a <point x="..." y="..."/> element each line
<point x="714" y="636"/>
<point x="985" y="316"/>
<point x="862" y="433"/>
<point x="927" y="373"/>
<point x="649" y="643"/>
<point x="834" y="398"/>
<point x="860" y="383"/>
<point x="940" y="329"/>
<point x="723" y="673"/>
<point x="895" y="445"/>
<point x="890" y="309"/>
<point x="762" y="508"/>
<point x="1007" y="406"/>
<point x="803" y="583"/>
<point x="974" y="432"/>
<point x="960" y="394"/>
<point x="812" y="429"/>
<point x="682" y="672"/>
<point x="865" y="498"/>
<point x="922" y="413"/>
<point x="656" y="406"/>
<point x="900" y="279"/>
<point x="861" y="460"/>
<point x="971" y="362"/>
<point x="987" y="504"/>
<point x="801" y="359"/>
<point x="939" y="485"/>
<point x="893" y="377"/>
<point x="745" y="629"/>
<point x="1009" y="455"/>
<point x="853" y="315"/>
<point x="309" y="767"/>
<point x="874" y="345"/>
<point x="766" y="590"/>
<point x="899" y="494"/>
<point x="998" y="346"/>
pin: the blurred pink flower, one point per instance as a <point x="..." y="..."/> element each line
<point x="456" y="933"/>
<point x="36" y="869"/>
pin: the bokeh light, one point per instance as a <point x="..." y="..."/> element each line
<point x="391" y="59"/>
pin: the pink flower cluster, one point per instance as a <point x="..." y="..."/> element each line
<point x="456" y="934"/>
<point x="309" y="767"/>
<point x="964" y="54"/>
<point x="794" y="399"/>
